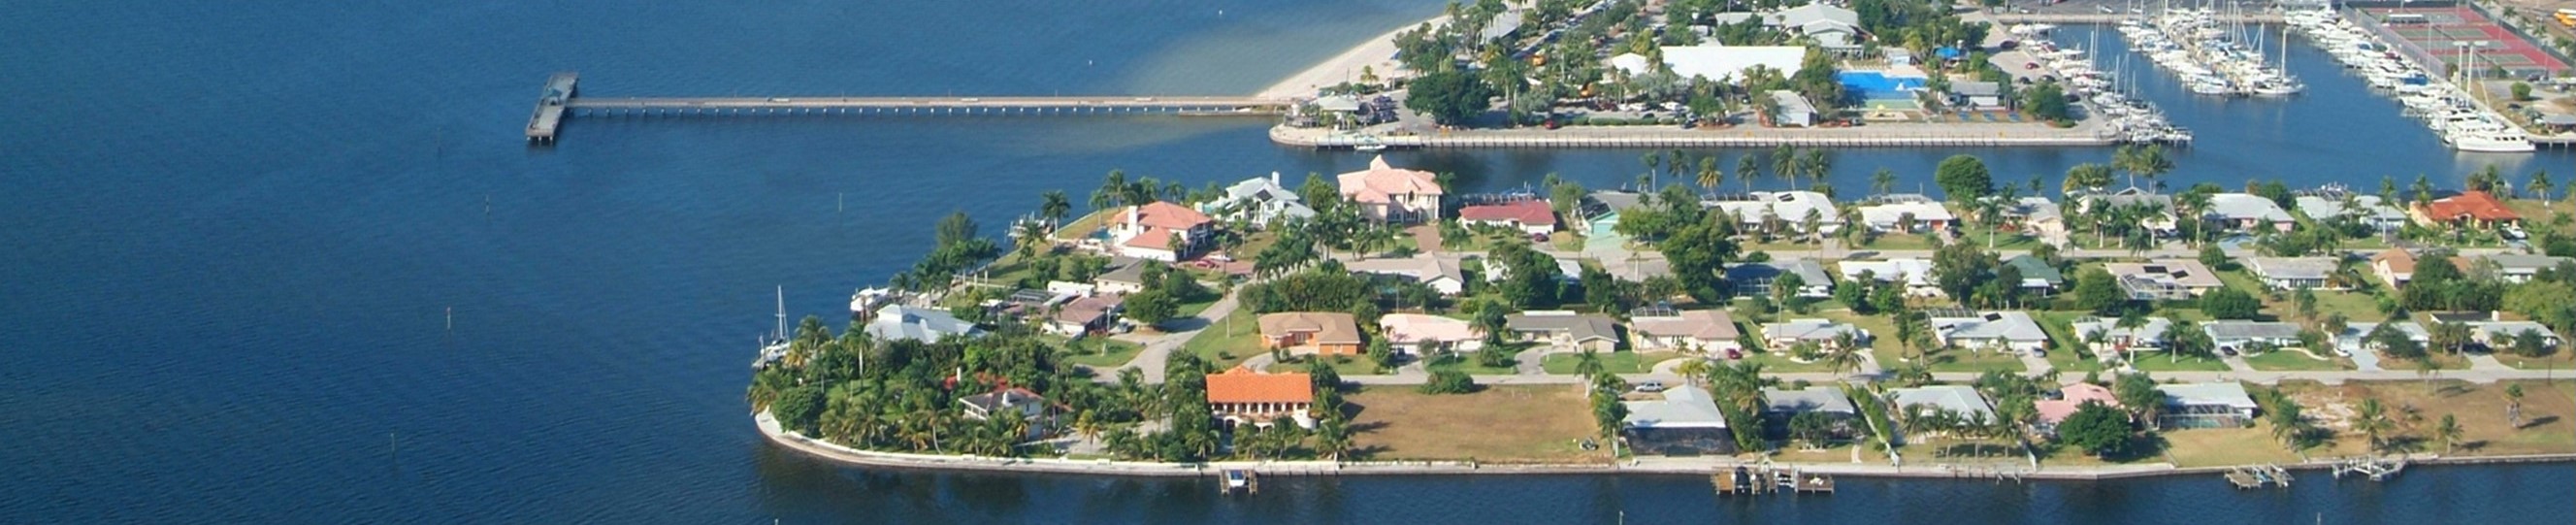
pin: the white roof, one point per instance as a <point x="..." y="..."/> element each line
<point x="2151" y="332"/>
<point x="1790" y="206"/>
<point x="2231" y="395"/>
<point x="896" y="321"/>
<point x="2007" y="325"/>
<point x="1682" y="407"/>
<point x="1791" y="102"/>
<point x="1886" y="214"/>
<point x="1718" y="62"/>
<point x="2291" y="267"/>
<point x="2371" y="207"/>
<point x="2241" y="206"/>
<point x="1954" y="398"/>
<point x="1914" y="272"/>
<point x="1809" y="330"/>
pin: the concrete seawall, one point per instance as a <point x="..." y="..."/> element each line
<point x="1647" y="466"/>
<point x="1887" y="135"/>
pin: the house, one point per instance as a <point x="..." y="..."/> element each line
<point x="2508" y="267"/>
<point x="1388" y="194"/>
<point x="2474" y="209"/>
<point x="1708" y="331"/>
<point x="2205" y="405"/>
<point x="1715" y="62"/>
<point x="1898" y="56"/>
<point x="1085" y="315"/>
<point x="1594" y="332"/>
<point x="1755" y="279"/>
<point x="895" y="322"/>
<point x="2247" y="212"/>
<point x="2162" y="221"/>
<point x="1529" y="216"/>
<point x="2041" y="218"/>
<point x="2291" y="273"/>
<point x="2394" y="266"/>
<point x="1126" y="275"/>
<point x="1976" y="96"/>
<point x="2237" y="336"/>
<point x="1443" y="274"/>
<point x="1685" y="422"/>
<point x="2054" y="411"/>
<point x="1013" y="400"/>
<point x="2008" y="331"/>
<point x="1147" y="231"/>
<point x="1834" y="29"/>
<point x="2106" y="338"/>
<point x="1260" y="201"/>
<point x="1907" y="214"/>
<point x="1792" y="208"/>
<point x="1780" y="336"/>
<point x="1778" y="405"/>
<point x="2356" y="336"/>
<point x="1794" y="111"/>
<point x="1321" y="333"/>
<point x="1241" y="395"/>
<point x="2500" y="335"/>
<point x="1914" y="274"/>
<point x="1496" y="271"/>
<point x="1958" y="400"/>
<point x="1419" y="334"/>
<point x="2164" y="279"/>
<point x="2367" y="209"/>
<point x="2036" y="275"/>
<point x="1638" y="268"/>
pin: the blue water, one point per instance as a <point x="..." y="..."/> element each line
<point x="291" y="262"/>
<point x="1875" y="85"/>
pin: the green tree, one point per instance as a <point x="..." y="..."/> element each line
<point x="1451" y="97"/>
<point x="1963" y="178"/>
<point x="1449" y="381"/>
<point x="2449" y="432"/>
<point x="2046" y="101"/>
<point x="2230" y="303"/>
<point x="1151" y="307"/>
<point x="2098" y="429"/>
<point x="2097" y="291"/>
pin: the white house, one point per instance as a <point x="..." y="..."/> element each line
<point x="2291" y="273"/>
<point x="1794" y="109"/>
<point x="1914" y="274"/>
<point x="1441" y="273"/>
<point x="2242" y="336"/>
<point x="1717" y="63"/>
<point x="898" y="322"/>
<point x="1925" y="214"/>
<point x="1711" y="331"/>
<point x="2004" y="331"/>
<point x="1791" y="207"/>
<point x="2247" y="212"/>
<point x="1258" y="200"/>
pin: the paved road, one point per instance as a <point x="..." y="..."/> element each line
<point x="1158" y="349"/>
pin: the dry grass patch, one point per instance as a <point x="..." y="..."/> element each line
<point x="1516" y="424"/>
<point x="2480" y="409"/>
<point x="2212" y="447"/>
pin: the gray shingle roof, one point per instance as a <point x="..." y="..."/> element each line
<point x="1682" y="407"/>
<point x="899" y="322"/>
<point x="2243" y="206"/>
<point x="1580" y="327"/>
<point x="2006" y="325"/>
<point x="1812" y="399"/>
<point x="1954" y="398"/>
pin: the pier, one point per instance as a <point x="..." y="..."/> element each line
<point x="2260" y="476"/>
<point x="1756" y="480"/>
<point x="561" y="102"/>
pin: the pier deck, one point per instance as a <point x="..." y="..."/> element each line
<point x="549" y="114"/>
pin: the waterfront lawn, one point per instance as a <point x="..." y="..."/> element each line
<point x="2547" y="410"/>
<point x="2536" y="214"/>
<point x="2159" y="362"/>
<point x="1544" y="424"/>
<point x="1081" y="228"/>
<point x="1087" y="352"/>
<point x="1628" y="362"/>
<point x="1224" y="351"/>
<point x="2214" y="447"/>
<point x="2289" y="360"/>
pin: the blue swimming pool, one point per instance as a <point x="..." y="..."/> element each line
<point x="1874" y="85"/>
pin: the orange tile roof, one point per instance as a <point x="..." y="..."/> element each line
<point x="1155" y="238"/>
<point x="1242" y="385"/>
<point x="1381" y="183"/>
<point x="1160" y="214"/>
<point x="2475" y="205"/>
<point x="1530" y="212"/>
<point x="1329" y="327"/>
<point x="2399" y="260"/>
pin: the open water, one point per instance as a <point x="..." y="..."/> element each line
<point x="291" y="261"/>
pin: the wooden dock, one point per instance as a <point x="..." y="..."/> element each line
<point x="1749" y="480"/>
<point x="2260" y="476"/>
<point x="549" y="114"/>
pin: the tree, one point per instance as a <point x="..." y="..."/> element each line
<point x="1747" y="169"/>
<point x="1882" y="180"/>
<point x="2046" y="101"/>
<point x="1451" y="97"/>
<point x="1151" y="307"/>
<point x="954" y="229"/>
<point x="2513" y="405"/>
<point x="2098" y="429"/>
<point x="2138" y="393"/>
<point x="1811" y="427"/>
<point x="2096" y="290"/>
<point x="2521" y="91"/>
<point x="1052" y="206"/>
<point x="2371" y="420"/>
<point x="2449" y="432"/>
<point x="1963" y="178"/>
<point x="2230" y="303"/>
<point x="1709" y="176"/>
<point x="1449" y="381"/>
<point x="2086" y="177"/>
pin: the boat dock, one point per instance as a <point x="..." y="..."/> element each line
<point x="1749" y="481"/>
<point x="2377" y="469"/>
<point x="2259" y="476"/>
<point x="549" y="113"/>
<point x="1243" y="481"/>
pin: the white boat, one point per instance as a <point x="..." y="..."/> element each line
<point x="2491" y="142"/>
<point x="774" y="347"/>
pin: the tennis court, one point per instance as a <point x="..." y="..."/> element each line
<point x="2442" y="31"/>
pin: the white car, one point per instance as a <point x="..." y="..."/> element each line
<point x="1650" y="386"/>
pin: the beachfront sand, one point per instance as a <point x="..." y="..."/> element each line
<point x="1376" y="53"/>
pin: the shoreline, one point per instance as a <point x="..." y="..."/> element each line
<point x="2085" y="134"/>
<point x="1346" y="65"/>
<point x="770" y="430"/>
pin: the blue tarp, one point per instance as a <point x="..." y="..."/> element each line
<point x="1947" y="53"/>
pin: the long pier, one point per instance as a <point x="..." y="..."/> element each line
<point x="560" y="103"/>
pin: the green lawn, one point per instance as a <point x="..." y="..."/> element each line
<point x="1975" y="234"/>
<point x="2159" y="362"/>
<point x="1348" y="365"/>
<point x="1954" y="360"/>
<point x="1779" y="363"/>
<point x="1091" y="355"/>
<point x="2066" y="349"/>
<point x="1467" y="363"/>
<point x="1223" y="350"/>
<point x="1193" y="308"/>
<point x="2290" y="360"/>
<point x="1082" y="227"/>
<point x="1615" y="362"/>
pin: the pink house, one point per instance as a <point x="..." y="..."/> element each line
<point x="2054" y="411"/>
<point x="1147" y="232"/>
<point x="1385" y="193"/>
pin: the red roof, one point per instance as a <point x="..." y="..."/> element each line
<point x="2475" y="205"/>
<point x="1242" y="385"/>
<point x="1153" y="238"/>
<point x="1163" y="215"/>
<point x="1530" y="212"/>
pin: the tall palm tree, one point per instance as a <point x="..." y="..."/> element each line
<point x="1785" y="165"/>
<point x="1709" y="177"/>
<point x="1052" y="206"/>
<point x="1747" y="169"/>
<point x="1845" y="358"/>
<point x="1654" y="169"/>
<point x="2513" y="405"/>
<point x="1882" y="180"/>
<point x="1815" y="165"/>
<point x="2449" y="432"/>
<point x="2371" y="420"/>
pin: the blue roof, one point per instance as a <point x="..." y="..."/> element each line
<point x="1947" y="52"/>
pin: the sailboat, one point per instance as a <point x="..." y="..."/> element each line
<point x="774" y="346"/>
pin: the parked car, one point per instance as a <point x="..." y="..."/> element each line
<point x="1650" y="386"/>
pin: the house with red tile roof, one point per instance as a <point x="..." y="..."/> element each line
<point x="2475" y="209"/>
<point x="1530" y="216"/>
<point x="1241" y="395"/>
<point x="1389" y="194"/>
<point x="2054" y="411"/>
<point x="1147" y="231"/>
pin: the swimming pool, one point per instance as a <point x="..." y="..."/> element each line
<point x="1875" y="85"/>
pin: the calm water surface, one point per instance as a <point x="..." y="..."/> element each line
<point x="291" y="262"/>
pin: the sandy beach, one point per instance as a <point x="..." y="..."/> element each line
<point x="1377" y="53"/>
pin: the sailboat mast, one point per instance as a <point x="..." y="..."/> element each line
<point x="782" y="312"/>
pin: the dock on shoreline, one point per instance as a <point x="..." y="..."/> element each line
<point x="1884" y="135"/>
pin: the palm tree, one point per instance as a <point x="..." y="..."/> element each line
<point x="1028" y="235"/>
<point x="1709" y="177"/>
<point x="2371" y="420"/>
<point x="1654" y="168"/>
<point x="1785" y="165"/>
<point x="1882" y="180"/>
<point x="1588" y="363"/>
<point x="1815" y="165"/>
<point x="1747" y="169"/>
<point x="2513" y="405"/>
<point x="1052" y="206"/>
<point x="2449" y="432"/>
<point x="1846" y="357"/>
